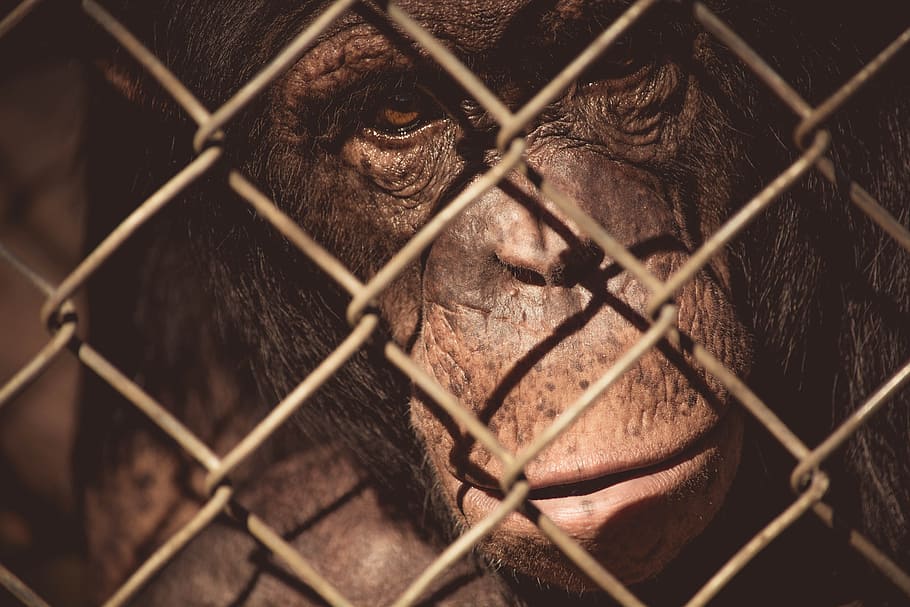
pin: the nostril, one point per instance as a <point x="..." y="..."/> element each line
<point x="523" y="274"/>
<point x="580" y="262"/>
<point x="569" y="268"/>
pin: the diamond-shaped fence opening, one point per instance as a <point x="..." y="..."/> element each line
<point x="812" y="145"/>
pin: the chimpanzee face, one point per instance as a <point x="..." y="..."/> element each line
<point x="513" y="309"/>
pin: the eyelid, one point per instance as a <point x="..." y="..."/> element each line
<point x="426" y="104"/>
<point x="348" y="113"/>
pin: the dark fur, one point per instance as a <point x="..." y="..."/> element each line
<point x="208" y="286"/>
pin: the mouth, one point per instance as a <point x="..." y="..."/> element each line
<point x="589" y="502"/>
<point x="589" y="479"/>
<point x="588" y="486"/>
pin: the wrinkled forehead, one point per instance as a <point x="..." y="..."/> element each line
<point x="496" y="36"/>
<point x="470" y="26"/>
<point x="477" y="27"/>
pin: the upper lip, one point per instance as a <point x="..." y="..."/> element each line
<point x="578" y="482"/>
<point x="588" y="480"/>
<point x="587" y="485"/>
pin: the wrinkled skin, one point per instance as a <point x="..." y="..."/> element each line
<point x="518" y="312"/>
<point x="513" y="309"/>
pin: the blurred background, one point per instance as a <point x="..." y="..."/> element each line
<point x="42" y="103"/>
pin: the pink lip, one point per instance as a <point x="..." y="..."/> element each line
<point x="593" y="481"/>
<point x="594" y="474"/>
<point x="580" y="511"/>
<point x="584" y="502"/>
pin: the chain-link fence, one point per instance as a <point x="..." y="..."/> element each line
<point x="809" y="482"/>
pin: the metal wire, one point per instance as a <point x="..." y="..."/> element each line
<point x="808" y="480"/>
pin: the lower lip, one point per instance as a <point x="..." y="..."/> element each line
<point x="586" y="516"/>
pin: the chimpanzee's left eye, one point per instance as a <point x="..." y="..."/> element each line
<point x="402" y="112"/>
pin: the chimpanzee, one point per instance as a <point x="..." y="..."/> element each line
<point x="513" y="308"/>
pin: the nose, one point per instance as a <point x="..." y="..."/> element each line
<point x="535" y="242"/>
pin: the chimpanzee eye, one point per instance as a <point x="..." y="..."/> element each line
<point x="402" y="112"/>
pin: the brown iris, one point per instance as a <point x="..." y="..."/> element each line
<point x="401" y="113"/>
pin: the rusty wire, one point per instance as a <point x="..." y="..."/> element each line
<point x="808" y="479"/>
